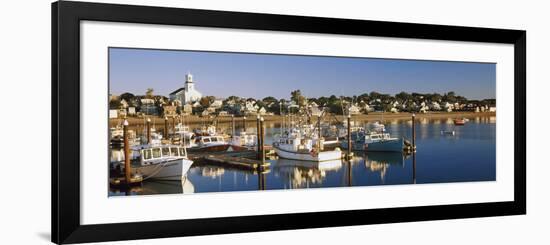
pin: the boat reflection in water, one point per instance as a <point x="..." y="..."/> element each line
<point x="157" y="187"/>
<point x="381" y="162"/>
<point x="300" y="174"/>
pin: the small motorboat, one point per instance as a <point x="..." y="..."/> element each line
<point x="459" y="121"/>
<point x="447" y="132"/>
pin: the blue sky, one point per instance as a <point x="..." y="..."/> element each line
<point x="261" y="75"/>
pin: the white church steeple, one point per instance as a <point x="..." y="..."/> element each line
<point x="187" y="94"/>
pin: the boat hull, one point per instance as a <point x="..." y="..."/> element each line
<point x="315" y="157"/>
<point x="396" y="145"/>
<point x="167" y="170"/>
<point x="213" y="148"/>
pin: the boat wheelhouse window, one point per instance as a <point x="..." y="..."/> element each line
<point x="214" y="139"/>
<point x="165" y="151"/>
<point x="146" y="154"/>
<point x="156" y="152"/>
<point x="174" y="151"/>
<point x="182" y="151"/>
<point x="206" y="140"/>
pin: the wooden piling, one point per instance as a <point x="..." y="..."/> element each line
<point x="262" y="135"/>
<point x="127" y="167"/>
<point x="349" y="137"/>
<point x="166" y="127"/>
<point x="174" y="124"/>
<point x="148" y="130"/>
<point x="232" y="126"/>
<point x="244" y="124"/>
<point x="319" y="132"/>
<point x="413" y="133"/>
<point x="258" y="140"/>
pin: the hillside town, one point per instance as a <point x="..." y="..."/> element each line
<point x="187" y="100"/>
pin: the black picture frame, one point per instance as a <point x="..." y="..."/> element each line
<point x="66" y="17"/>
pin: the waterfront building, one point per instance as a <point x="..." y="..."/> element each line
<point x="354" y="110"/>
<point x="148" y="106"/>
<point x="169" y="111"/>
<point x="188" y="109"/>
<point x="218" y="103"/>
<point x="188" y="93"/>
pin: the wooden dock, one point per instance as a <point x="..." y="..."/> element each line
<point x="239" y="162"/>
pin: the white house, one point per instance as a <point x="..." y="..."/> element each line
<point x="262" y="111"/>
<point x="448" y="106"/>
<point x="354" y="110"/>
<point x="124" y="103"/>
<point x="188" y="109"/>
<point x="218" y="103"/>
<point x="187" y="94"/>
<point x="148" y="106"/>
<point x="435" y="106"/>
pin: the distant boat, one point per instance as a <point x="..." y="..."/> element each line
<point x="459" y="121"/>
<point x="447" y="132"/>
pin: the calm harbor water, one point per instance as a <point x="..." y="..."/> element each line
<point x="469" y="155"/>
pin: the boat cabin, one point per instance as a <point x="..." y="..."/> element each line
<point x="157" y="154"/>
<point x="210" y="140"/>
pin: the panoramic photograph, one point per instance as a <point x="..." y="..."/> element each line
<point x="183" y="122"/>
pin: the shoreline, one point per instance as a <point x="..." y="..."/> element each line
<point x="373" y="116"/>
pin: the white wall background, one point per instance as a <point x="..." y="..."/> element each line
<point x="25" y="78"/>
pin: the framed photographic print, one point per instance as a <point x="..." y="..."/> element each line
<point x="175" y="122"/>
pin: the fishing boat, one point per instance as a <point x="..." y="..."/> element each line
<point x="155" y="139"/>
<point x="182" y="135"/>
<point x="166" y="162"/>
<point x="244" y="140"/>
<point x="374" y="141"/>
<point x="210" y="143"/>
<point x="117" y="140"/>
<point x="297" y="146"/>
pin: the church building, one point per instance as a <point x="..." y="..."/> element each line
<point x="187" y="94"/>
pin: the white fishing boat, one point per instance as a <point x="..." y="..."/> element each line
<point x="156" y="138"/>
<point x="166" y="162"/>
<point x="297" y="146"/>
<point x="244" y="139"/>
<point x="182" y="135"/>
<point x="116" y="136"/>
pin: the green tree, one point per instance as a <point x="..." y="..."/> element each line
<point x="403" y="96"/>
<point x="205" y="102"/>
<point x="114" y="104"/>
<point x="269" y="100"/>
<point x="297" y="97"/>
<point x="149" y="93"/>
